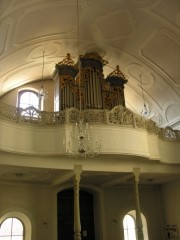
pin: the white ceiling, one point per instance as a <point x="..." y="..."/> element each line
<point x="55" y="177"/>
<point x="141" y="36"/>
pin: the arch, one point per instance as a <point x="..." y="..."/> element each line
<point x="23" y="218"/>
<point x="65" y="213"/>
<point x="129" y="227"/>
<point x="29" y="97"/>
<point x="132" y="213"/>
<point x="12" y="228"/>
<point x="99" y="218"/>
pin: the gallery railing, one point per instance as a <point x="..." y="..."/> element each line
<point x="117" y="116"/>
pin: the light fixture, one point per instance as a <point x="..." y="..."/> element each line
<point x="81" y="139"/>
<point x="82" y="142"/>
<point x="145" y="110"/>
<point x="42" y="94"/>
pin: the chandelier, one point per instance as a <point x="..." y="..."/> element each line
<point x="82" y="142"/>
<point x="83" y="89"/>
<point x="145" y="110"/>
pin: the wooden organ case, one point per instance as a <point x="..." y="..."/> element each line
<point x="83" y="84"/>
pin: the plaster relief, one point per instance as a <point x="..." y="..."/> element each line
<point x="50" y="49"/>
<point x="147" y="78"/>
<point x="172" y="112"/>
<point x="163" y="51"/>
<point x="167" y="12"/>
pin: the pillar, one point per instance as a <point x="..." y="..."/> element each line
<point x="139" y="225"/>
<point x="77" y="220"/>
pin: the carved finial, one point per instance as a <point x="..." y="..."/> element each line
<point x="117" y="73"/>
<point x="67" y="61"/>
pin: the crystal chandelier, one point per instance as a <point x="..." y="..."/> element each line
<point x="42" y="94"/>
<point x="81" y="142"/>
<point x="145" y="110"/>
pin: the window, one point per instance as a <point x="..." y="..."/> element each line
<point x="11" y="229"/>
<point x="28" y="98"/>
<point x="129" y="228"/>
<point x="129" y="225"/>
<point x="30" y="101"/>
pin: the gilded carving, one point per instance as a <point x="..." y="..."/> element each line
<point x="118" y="115"/>
<point x="67" y="61"/>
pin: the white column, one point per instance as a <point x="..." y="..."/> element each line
<point x="139" y="226"/>
<point x="77" y="220"/>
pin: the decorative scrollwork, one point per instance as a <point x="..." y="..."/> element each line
<point x="94" y="116"/>
<point x="117" y="73"/>
<point x="151" y="126"/>
<point x="107" y="101"/>
<point x="169" y="134"/>
<point x="60" y="117"/>
<point x="118" y="115"/>
<point x="30" y="114"/>
<point x="54" y="118"/>
<point x="67" y="61"/>
<point x="8" y="112"/>
<point x="140" y="122"/>
<point x="73" y="115"/>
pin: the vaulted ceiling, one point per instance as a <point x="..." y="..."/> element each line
<point x="141" y="36"/>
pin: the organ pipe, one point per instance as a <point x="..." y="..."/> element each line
<point x="96" y="91"/>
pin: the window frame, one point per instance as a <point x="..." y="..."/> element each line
<point x="128" y="229"/>
<point x="132" y="213"/>
<point x="25" y="220"/>
<point x="22" y="91"/>
<point x="11" y="228"/>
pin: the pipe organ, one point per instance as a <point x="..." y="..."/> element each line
<point x="83" y="84"/>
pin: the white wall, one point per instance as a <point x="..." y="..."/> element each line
<point x="120" y="201"/>
<point x="36" y="201"/>
<point x="171" y="203"/>
<point x="19" y="138"/>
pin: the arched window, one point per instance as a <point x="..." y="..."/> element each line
<point x="32" y="102"/>
<point x="11" y="229"/>
<point x="129" y="225"/>
<point x="129" y="228"/>
<point x="28" y="98"/>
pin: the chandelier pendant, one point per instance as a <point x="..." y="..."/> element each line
<point x="82" y="142"/>
<point x="42" y="93"/>
<point x="146" y="110"/>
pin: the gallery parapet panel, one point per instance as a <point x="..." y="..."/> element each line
<point x="118" y="116"/>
